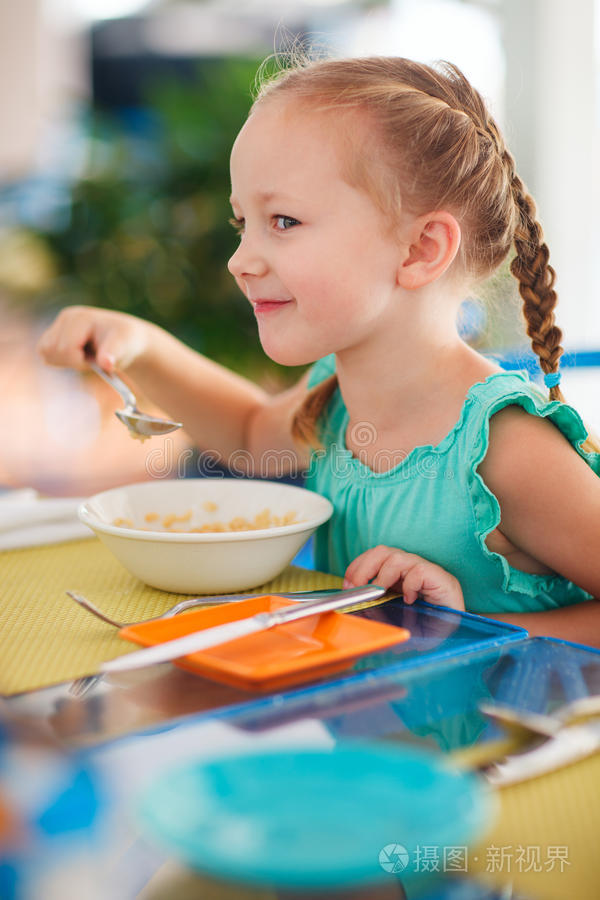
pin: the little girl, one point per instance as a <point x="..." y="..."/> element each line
<point x="369" y="195"/>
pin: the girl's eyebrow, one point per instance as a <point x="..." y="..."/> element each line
<point x="266" y="196"/>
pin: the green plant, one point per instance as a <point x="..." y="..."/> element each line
<point x="148" y="229"/>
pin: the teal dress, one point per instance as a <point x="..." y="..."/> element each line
<point x="435" y="503"/>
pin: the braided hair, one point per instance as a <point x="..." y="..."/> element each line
<point x="435" y="146"/>
<point x="532" y="270"/>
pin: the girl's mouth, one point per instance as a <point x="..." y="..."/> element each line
<point x="267" y="306"/>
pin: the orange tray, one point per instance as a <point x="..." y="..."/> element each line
<point x="286" y="654"/>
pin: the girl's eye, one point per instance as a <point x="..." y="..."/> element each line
<point x="284" y="223"/>
<point x="238" y="224"/>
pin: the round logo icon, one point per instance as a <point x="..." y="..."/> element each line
<point x="393" y="858"/>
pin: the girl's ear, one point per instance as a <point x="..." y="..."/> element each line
<point x="433" y="241"/>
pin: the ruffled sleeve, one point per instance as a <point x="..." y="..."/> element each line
<point x="488" y="398"/>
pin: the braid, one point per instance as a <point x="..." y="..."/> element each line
<point x="530" y="266"/>
<point x="536" y="283"/>
<point x="536" y="286"/>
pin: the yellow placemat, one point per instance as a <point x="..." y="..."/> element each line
<point x="45" y="638"/>
<point x="544" y="840"/>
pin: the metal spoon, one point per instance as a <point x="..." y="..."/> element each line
<point x="141" y="425"/>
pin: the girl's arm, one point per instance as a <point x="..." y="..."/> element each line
<point x="550" y="505"/>
<point x="222" y="412"/>
<point x="579" y="623"/>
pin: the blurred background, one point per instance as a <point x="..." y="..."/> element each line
<point x="117" y="120"/>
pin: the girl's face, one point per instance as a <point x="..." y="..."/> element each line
<point x="315" y="259"/>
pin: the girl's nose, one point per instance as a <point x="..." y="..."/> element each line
<point x="247" y="260"/>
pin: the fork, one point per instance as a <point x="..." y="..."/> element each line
<point x="81" y="686"/>
<point x="192" y="602"/>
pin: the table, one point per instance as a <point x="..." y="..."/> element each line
<point x="426" y="696"/>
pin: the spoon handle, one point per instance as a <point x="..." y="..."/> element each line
<point x="116" y="383"/>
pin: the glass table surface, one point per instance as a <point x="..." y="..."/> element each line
<point x="424" y="693"/>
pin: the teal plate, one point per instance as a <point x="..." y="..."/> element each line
<point x="309" y="818"/>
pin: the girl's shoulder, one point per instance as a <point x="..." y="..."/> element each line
<point x="524" y="436"/>
<point x="497" y="406"/>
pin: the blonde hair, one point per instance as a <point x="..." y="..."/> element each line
<point x="438" y="148"/>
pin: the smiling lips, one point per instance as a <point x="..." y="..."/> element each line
<point x="265" y="306"/>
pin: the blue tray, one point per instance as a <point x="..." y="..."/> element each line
<point x="438" y="705"/>
<point x="437" y="633"/>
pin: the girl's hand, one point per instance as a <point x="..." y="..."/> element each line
<point x="116" y="339"/>
<point x="407" y="573"/>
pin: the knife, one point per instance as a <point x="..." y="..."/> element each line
<point x="221" y="634"/>
<point x="566" y="746"/>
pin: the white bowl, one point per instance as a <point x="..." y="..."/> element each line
<point x="208" y="562"/>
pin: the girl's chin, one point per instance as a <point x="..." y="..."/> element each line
<point x="289" y="346"/>
<point x="286" y="359"/>
<point x="288" y="356"/>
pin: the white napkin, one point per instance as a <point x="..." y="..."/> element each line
<point x="27" y="520"/>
